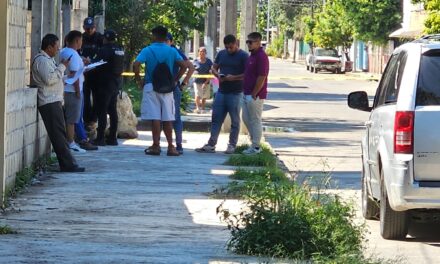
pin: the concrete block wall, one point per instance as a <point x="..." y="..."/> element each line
<point x="23" y="144"/>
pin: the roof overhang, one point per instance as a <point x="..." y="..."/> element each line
<point x="405" y="33"/>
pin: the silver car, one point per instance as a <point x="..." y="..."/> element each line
<point x="401" y="147"/>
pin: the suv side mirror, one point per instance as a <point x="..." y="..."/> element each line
<point x="359" y="101"/>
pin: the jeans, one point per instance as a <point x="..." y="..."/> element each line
<point x="226" y="103"/>
<point x="177" y="124"/>
<point x="252" y="112"/>
<point x="80" y="131"/>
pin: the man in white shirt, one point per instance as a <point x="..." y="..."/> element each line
<point x="73" y="92"/>
<point x="49" y="80"/>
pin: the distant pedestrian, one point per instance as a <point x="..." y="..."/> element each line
<point x="229" y="69"/>
<point x="92" y="42"/>
<point x="49" y="80"/>
<point x="201" y="85"/>
<point x="73" y="92"/>
<point x="177" y="124"/>
<point x="158" y="86"/>
<point x="109" y="86"/>
<point x="255" y="91"/>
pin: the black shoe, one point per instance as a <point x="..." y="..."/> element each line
<point x="111" y="142"/>
<point x="98" y="142"/>
<point x="87" y="145"/>
<point x="73" y="169"/>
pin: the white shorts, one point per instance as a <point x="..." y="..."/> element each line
<point x="157" y="106"/>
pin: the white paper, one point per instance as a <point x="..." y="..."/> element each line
<point x="78" y="74"/>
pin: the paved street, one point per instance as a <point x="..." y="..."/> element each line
<point x="325" y="139"/>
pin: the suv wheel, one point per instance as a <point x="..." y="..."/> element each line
<point x="338" y="71"/>
<point x="311" y="69"/>
<point x="393" y="224"/>
<point x="370" y="207"/>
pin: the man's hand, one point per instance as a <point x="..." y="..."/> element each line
<point x="78" y="94"/>
<point x="65" y="62"/>
<point x="228" y="78"/>
<point x="86" y="61"/>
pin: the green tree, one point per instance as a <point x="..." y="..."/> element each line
<point x="332" y="27"/>
<point x="432" y="22"/>
<point x="134" y="19"/>
<point x="373" y="20"/>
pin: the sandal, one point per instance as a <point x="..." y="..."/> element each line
<point x="172" y="151"/>
<point x="153" y="150"/>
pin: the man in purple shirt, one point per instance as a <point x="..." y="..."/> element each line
<point x="255" y="91"/>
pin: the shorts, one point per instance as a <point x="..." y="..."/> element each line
<point x="157" y="106"/>
<point x="202" y="93"/>
<point x="72" y="107"/>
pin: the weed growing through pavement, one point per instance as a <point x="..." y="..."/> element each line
<point x="264" y="159"/>
<point x="6" y="230"/>
<point x="285" y="220"/>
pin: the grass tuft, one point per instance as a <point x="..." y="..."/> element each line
<point x="6" y="230"/>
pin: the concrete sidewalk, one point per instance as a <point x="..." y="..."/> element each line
<point x="126" y="208"/>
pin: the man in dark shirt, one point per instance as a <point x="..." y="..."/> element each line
<point x="92" y="42"/>
<point x="229" y="68"/>
<point x="109" y="85"/>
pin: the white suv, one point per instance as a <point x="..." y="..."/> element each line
<point x="401" y="148"/>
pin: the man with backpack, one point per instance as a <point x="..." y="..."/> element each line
<point x="158" y="86"/>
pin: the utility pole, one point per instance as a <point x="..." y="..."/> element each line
<point x="268" y="22"/>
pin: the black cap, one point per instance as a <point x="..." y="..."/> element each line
<point x="89" y="22"/>
<point x="110" y="35"/>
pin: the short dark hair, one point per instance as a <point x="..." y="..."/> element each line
<point x="160" y="32"/>
<point x="49" y="40"/>
<point x="72" y="35"/>
<point x="255" y="35"/>
<point x="229" y="39"/>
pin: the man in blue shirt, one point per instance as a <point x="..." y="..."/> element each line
<point x="229" y="68"/>
<point x="158" y="107"/>
<point x="178" y="125"/>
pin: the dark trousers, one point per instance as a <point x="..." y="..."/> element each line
<point x="53" y="118"/>
<point x="89" y="92"/>
<point x="106" y="104"/>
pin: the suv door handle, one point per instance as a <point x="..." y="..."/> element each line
<point x="369" y="123"/>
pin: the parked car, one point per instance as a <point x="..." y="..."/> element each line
<point x="401" y="146"/>
<point x="325" y="59"/>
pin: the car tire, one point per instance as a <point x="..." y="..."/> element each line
<point x="370" y="207"/>
<point x="316" y="70"/>
<point x="338" y="70"/>
<point x="311" y="69"/>
<point x="393" y="224"/>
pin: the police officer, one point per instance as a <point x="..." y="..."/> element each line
<point x="92" y="42"/>
<point x="110" y="83"/>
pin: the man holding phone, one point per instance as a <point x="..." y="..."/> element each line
<point x="229" y="68"/>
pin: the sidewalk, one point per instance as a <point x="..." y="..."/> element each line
<point x="126" y="208"/>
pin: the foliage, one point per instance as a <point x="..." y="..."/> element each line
<point x="432" y="22"/>
<point x="333" y="28"/>
<point x="262" y="17"/>
<point x="6" y="230"/>
<point x="275" y="48"/>
<point x="373" y="20"/>
<point x="134" y="19"/>
<point x="285" y="220"/>
<point x="265" y="158"/>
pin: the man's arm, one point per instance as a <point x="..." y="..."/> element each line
<point x="137" y="77"/>
<point x="182" y="69"/>
<point x="48" y="74"/>
<point x="258" y="86"/>
<point x="231" y="77"/>
<point x="190" y="72"/>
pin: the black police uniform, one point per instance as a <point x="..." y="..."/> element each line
<point x="110" y="84"/>
<point x="90" y="48"/>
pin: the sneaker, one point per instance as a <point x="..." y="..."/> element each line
<point x="75" y="148"/>
<point x="206" y="149"/>
<point x="252" y="151"/>
<point x="230" y="149"/>
<point x="87" y="145"/>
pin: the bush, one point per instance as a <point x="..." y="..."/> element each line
<point x="276" y="47"/>
<point x="264" y="159"/>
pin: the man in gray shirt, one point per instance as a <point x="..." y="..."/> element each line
<point x="49" y="80"/>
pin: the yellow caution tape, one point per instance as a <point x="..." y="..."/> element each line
<point x="207" y="76"/>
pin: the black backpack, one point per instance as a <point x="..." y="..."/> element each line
<point x="118" y="60"/>
<point x="163" y="81"/>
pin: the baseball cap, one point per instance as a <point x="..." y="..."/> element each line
<point x="110" y="35"/>
<point x="169" y="36"/>
<point x="89" y="22"/>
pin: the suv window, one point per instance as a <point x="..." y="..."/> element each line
<point x="428" y="89"/>
<point x="392" y="77"/>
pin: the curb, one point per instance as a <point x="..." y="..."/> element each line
<point x="190" y="126"/>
